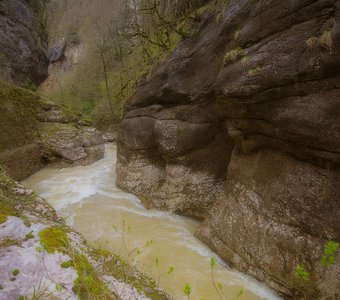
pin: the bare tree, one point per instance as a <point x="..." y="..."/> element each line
<point x="103" y="48"/>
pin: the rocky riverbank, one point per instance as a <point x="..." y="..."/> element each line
<point x="41" y="257"/>
<point x="36" y="132"/>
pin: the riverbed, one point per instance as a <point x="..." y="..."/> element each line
<point x="160" y="244"/>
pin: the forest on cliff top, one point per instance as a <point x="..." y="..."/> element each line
<point x="121" y="43"/>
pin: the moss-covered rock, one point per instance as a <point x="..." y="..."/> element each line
<point x="18" y="109"/>
<point x="35" y="131"/>
<point x="50" y="252"/>
<point x="3" y="218"/>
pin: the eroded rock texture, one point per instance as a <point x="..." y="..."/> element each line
<point x="35" y="132"/>
<point x="23" y="41"/>
<point x="63" y="57"/>
<point x="241" y="128"/>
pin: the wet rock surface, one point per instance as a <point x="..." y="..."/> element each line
<point x="240" y="127"/>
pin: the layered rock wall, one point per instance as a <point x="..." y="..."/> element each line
<point x="35" y="132"/>
<point x="241" y="128"/>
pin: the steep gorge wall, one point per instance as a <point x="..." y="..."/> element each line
<point x="23" y="41"/>
<point x="241" y="128"/>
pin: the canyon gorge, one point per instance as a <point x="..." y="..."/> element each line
<point x="237" y="127"/>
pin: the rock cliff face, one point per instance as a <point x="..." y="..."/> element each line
<point x="35" y="132"/>
<point x="241" y="128"/>
<point x="23" y="41"/>
<point x="63" y="57"/>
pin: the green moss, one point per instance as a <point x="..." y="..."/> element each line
<point x="15" y="272"/>
<point x="54" y="239"/>
<point x="13" y="204"/>
<point x="71" y="113"/>
<point x="29" y="236"/>
<point x="3" y="218"/>
<point x="18" y="109"/>
<point x="8" y="243"/>
<point x="26" y="221"/>
<point x="66" y="264"/>
<point x="6" y="211"/>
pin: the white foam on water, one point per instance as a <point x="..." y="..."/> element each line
<point x="69" y="189"/>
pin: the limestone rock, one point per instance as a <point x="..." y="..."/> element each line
<point x="22" y="161"/>
<point x="241" y="127"/>
<point x="63" y="57"/>
<point x="36" y="131"/>
<point x="280" y="210"/>
<point x="65" y="144"/>
<point x="42" y="257"/>
<point x="23" y="42"/>
<point x="57" y="52"/>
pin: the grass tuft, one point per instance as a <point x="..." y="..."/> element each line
<point x="325" y="41"/>
<point x="3" y="218"/>
<point x="233" y="54"/>
<point x="253" y="72"/>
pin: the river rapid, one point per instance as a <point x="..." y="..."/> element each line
<point x="88" y="198"/>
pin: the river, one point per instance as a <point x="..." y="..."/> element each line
<point x="155" y="241"/>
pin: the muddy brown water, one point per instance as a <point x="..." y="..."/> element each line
<point x="89" y="200"/>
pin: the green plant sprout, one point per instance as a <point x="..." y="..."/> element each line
<point x="301" y="273"/>
<point x="217" y="285"/>
<point x="240" y="293"/>
<point x="187" y="290"/>
<point x="124" y="231"/>
<point x="169" y="271"/>
<point x="329" y="252"/>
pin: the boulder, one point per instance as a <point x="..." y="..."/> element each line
<point x="64" y="144"/>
